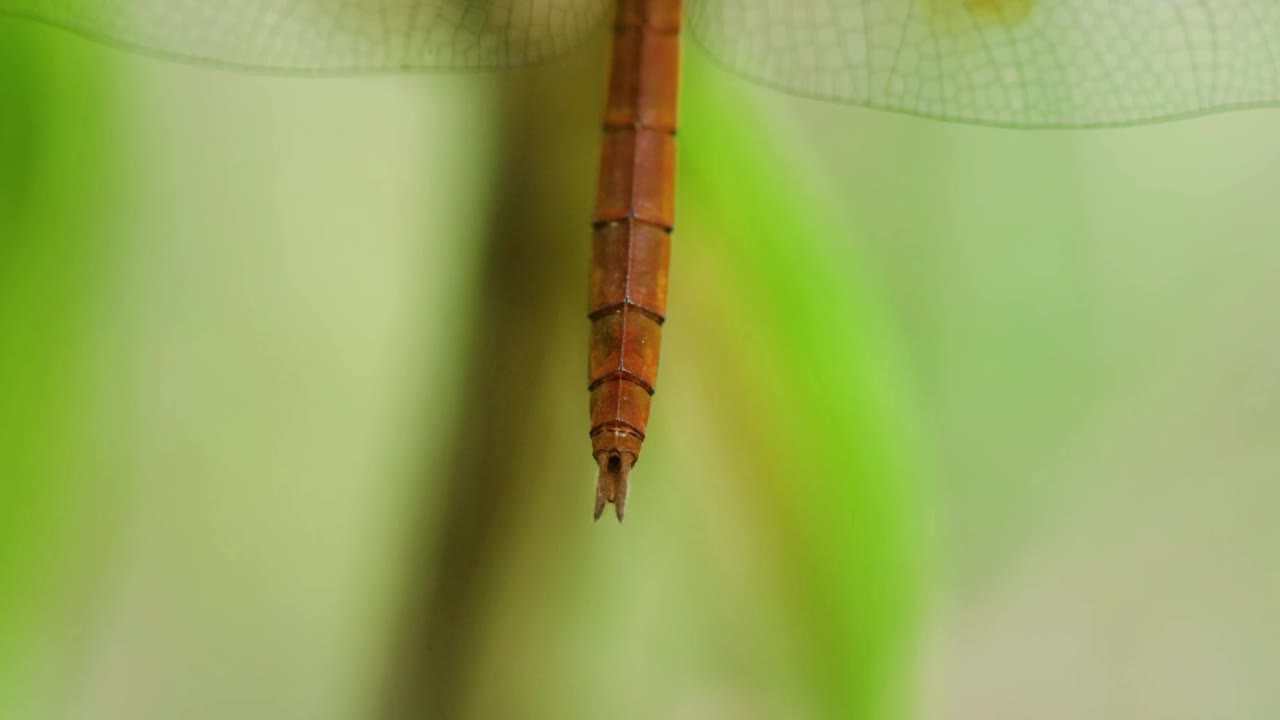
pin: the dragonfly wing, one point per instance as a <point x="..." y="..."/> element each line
<point x="330" y="36"/>
<point x="1022" y="63"/>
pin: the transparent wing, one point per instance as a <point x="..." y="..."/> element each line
<point x="331" y="36"/>
<point x="1026" y="63"/>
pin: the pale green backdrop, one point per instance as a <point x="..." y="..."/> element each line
<point x="952" y="422"/>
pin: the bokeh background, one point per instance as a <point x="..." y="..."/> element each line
<point x="952" y="422"/>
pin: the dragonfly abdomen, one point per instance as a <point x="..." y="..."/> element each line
<point x="633" y="218"/>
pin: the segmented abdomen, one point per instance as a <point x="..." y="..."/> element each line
<point x="633" y="220"/>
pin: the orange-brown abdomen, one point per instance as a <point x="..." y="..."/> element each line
<point x="633" y="218"/>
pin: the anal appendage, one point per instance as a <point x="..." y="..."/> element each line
<point x="611" y="484"/>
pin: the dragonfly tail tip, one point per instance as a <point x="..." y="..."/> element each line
<point x="600" y="501"/>
<point x="611" y="484"/>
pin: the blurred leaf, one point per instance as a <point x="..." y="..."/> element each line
<point x="53" y="156"/>
<point x="813" y="409"/>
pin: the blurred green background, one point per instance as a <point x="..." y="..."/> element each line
<point x="952" y="422"/>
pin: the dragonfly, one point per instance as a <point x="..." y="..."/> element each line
<point x="1007" y="63"/>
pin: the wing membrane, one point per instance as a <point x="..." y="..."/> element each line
<point x="1026" y="63"/>
<point x="331" y="36"/>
